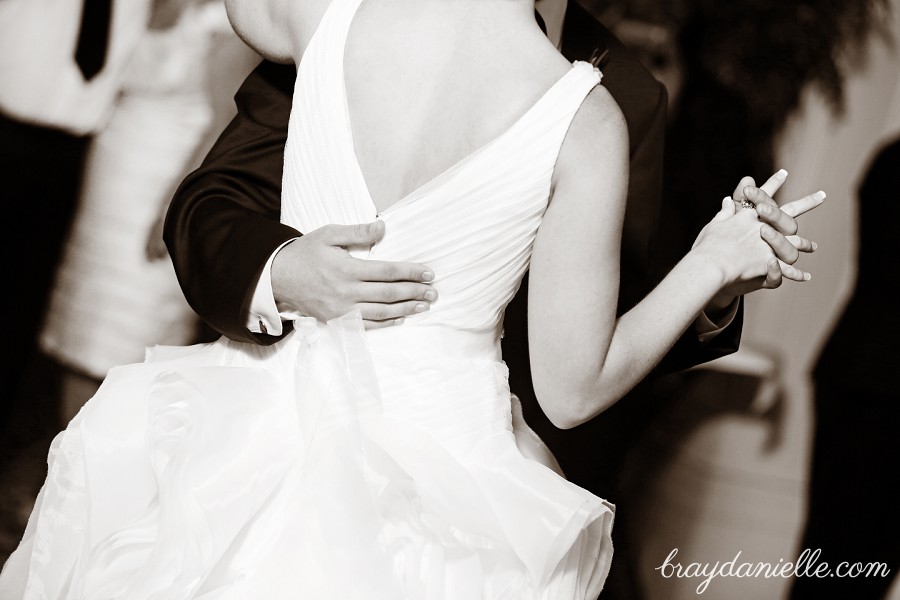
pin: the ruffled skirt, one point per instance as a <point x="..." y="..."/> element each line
<point x="308" y="469"/>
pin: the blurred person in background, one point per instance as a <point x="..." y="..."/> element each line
<point x="61" y="68"/>
<point x="850" y="514"/>
<point x="116" y="292"/>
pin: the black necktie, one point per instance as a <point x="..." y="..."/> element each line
<point x="93" y="38"/>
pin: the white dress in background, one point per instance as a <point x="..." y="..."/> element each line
<point x="338" y="463"/>
<point x="109" y="300"/>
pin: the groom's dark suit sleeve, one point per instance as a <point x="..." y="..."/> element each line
<point x="223" y="222"/>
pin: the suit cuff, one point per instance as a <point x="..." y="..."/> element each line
<point x="263" y="316"/>
<point x="707" y="329"/>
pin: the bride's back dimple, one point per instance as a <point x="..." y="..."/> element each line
<point x="470" y="209"/>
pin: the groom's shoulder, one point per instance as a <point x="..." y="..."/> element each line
<point x="271" y="78"/>
<point x="640" y="96"/>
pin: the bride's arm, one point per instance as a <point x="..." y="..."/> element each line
<point x="583" y="358"/>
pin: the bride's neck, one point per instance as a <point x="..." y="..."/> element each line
<point x="495" y="12"/>
<point x="498" y="22"/>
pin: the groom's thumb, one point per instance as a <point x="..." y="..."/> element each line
<point x="361" y="234"/>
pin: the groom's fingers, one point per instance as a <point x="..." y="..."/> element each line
<point x="793" y="273"/>
<point x="781" y="246"/>
<point x="315" y="275"/>
<point x="738" y="193"/>
<point x="770" y="214"/>
<point x="802" y="244"/>
<point x="365" y="235"/>
<point x="393" y="292"/>
<point x="773" y="274"/>
<point x="370" y="324"/>
<point x="772" y="185"/>
<point x="388" y="312"/>
<point x="763" y="194"/>
<point x="361" y="234"/>
<point x="389" y="271"/>
<point x="382" y="304"/>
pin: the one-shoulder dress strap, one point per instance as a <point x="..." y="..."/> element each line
<point x="535" y="140"/>
<point x="317" y="169"/>
<point x="326" y="47"/>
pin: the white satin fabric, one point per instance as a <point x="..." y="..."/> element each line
<point x="337" y="463"/>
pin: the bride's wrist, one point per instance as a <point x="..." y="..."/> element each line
<point x="707" y="271"/>
<point x="719" y="305"/>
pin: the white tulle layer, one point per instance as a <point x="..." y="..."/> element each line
<point x="235" y="471"/>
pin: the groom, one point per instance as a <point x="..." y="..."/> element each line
<point x="238" y="266"/>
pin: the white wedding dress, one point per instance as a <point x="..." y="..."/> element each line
<point x="338" y="463"/>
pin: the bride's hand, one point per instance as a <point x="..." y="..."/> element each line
<point x="734" y="243"/>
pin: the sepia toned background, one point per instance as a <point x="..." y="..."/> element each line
<point x="811" y="87"/>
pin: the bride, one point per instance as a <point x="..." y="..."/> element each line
<point x="390" y="463"/>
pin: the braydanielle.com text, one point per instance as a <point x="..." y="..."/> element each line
<point x="807" y="565"/>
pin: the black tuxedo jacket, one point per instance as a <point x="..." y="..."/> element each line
<point x="223" y="221"/>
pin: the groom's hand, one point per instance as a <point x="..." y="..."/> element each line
<point x="315" y="276"/>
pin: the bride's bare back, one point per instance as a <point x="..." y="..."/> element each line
<point x="428" y="81"/>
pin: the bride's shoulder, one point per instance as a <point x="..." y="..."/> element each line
<point x="598" y="135"/>
<point x="279" y="30"/>
<point x="600" y="115"/>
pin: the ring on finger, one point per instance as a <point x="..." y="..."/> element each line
<point x="747" y="204"/>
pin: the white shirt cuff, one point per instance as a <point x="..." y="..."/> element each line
<point x="263" y="316"/>
<point x="707" y="330"/>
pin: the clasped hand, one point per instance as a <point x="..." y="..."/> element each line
<point x="756" y="248"/>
